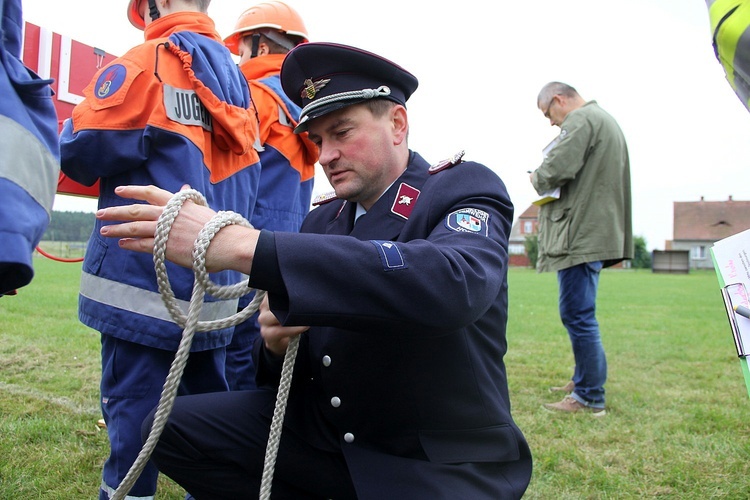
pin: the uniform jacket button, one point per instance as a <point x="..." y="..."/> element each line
<point x="349" y="437"/>
<point x="326" y="360"/>
<point x="335" y="402"/>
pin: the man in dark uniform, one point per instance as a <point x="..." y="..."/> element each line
<point x="399" y="388"/>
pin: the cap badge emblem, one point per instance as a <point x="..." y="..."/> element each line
<point x="311" y="88"/>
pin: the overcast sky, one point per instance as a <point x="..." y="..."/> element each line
<point x="481" y="64"/>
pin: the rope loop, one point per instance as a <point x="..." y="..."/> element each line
<point x="212" y="227"/>
<point x="189" y="322"/>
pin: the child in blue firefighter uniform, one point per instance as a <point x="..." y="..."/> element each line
<point x="263" y="35"/>
<point x="29" y="154"/>
<point x="398" y="288"/>
<point x="173" y="110"/>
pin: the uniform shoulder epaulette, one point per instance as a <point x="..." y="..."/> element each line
<point x="448" y="163"/>
<point x="324" y="198"/>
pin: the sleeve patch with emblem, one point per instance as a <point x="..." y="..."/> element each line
<point x="112" y="85"/>
<point x="468" y="220"/>
<point x="110" y="81"/>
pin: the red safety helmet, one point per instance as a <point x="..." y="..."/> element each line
<point x="267" y="15"/>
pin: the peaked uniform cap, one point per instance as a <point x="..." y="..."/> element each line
<point x="321" y="77"/>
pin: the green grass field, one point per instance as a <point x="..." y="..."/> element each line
<point x="678" y="423"/>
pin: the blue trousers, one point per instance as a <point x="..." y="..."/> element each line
<point x="214" y="446"/>
<point x="577" y="302"/>
<point x="133" y="376"/>
<point x="240" y="367"/>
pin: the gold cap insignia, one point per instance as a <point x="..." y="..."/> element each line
<point x="311" y="88"/>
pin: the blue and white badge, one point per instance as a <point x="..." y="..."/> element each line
<point x="468" y="220"/>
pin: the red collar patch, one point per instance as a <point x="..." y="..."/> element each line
<point x="405" y="200"/>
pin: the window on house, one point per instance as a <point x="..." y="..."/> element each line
<point x="528" y="227"/>
<point x="699" y="252"/>
<point x="516" y="249"/>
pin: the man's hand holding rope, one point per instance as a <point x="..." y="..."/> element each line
<point x="232" y="248"/>
<point x="276" y="337"/>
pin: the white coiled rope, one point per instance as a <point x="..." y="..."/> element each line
<point x="191" y="324"/>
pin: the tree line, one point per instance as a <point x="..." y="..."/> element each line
<point x="69" y="226"/>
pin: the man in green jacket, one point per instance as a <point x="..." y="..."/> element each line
<point x="584" y="230"/>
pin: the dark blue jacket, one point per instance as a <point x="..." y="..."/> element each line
<point x="403" y="365"/>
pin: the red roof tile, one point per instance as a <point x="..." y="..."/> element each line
<point x="710" y="220"/>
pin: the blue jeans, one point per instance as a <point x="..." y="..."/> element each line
<point x="577" y="303"/>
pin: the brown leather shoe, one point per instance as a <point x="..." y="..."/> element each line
<point x="567" y="388"/>
<point x="571" y="405"/>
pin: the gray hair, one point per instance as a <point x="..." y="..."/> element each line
<point x="556" y="88"/>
